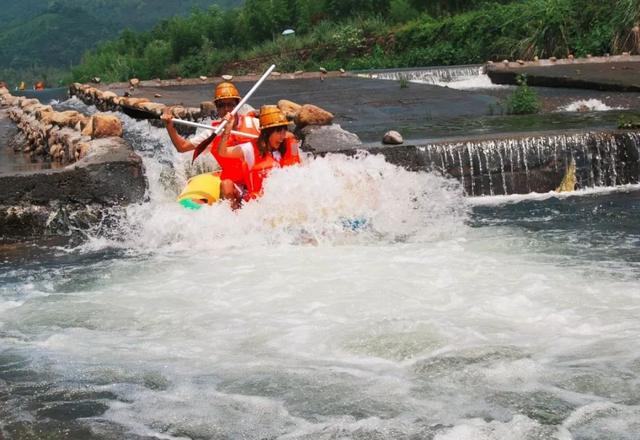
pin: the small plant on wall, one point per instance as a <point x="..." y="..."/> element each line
<point x="523" y="101"/>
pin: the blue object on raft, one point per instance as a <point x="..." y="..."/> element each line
<point x="356" y="223"/>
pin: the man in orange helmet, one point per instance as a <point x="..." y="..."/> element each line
<point x="232" y="181"/>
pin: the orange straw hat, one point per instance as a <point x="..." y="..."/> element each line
<point x="272" y="116"/>
<point x="226" y="90"/>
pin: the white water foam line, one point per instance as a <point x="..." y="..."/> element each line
<point x="517" y="198"/>
<point x="456" y="77"/>
<point x="587" y="105"/>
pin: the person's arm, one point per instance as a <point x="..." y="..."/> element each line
<point x="181" y="144"/>
<point x="224" y="149"/>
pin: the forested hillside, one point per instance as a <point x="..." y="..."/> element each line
<point x="362" y="34"/>
<point x="352" y="34"/>
<point x="44" y="38"/>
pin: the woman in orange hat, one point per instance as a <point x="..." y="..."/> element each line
<point x="275" y="147"/>
<point x="232" y="177"/>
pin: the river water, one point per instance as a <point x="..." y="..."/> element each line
<point x="355" y="300"/>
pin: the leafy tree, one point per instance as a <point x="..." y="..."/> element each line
<point x="402" y="11"/>
<point x="341" y="9"/>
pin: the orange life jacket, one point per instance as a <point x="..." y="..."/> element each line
<point x="233" y="168"/>
<point x="263" y="166"/>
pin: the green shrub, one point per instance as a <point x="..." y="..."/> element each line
<point x="347" y="38"/>
<point x="523" y="101"/>
<point x="629" y="122"/>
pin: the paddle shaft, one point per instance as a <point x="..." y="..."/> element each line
<point x="246" y="97"/>
<point x="209" y="127"/>
<point x="200" y="148"/>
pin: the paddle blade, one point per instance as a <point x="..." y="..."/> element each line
<point x="203" y="146"/>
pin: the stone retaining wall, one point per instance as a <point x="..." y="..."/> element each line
<point x="86" y="170"/>
<point x="110" y="101"/>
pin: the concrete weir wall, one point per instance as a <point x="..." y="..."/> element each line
<point x="524" y="163"/>
<point x="612" y="73"/>
<point x="77" y="167"/>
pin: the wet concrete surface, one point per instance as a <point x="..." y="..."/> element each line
<point x="44" y="96"/>
<point x="614" y="74"/>
<point x="366" y="107"/>
<point x="370" y="107"/>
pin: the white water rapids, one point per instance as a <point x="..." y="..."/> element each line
<point x="278" y="321"/>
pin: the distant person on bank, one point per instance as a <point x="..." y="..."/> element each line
<point x="232" y="178"/>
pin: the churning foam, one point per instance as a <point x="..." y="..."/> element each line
<point x="331" y="199"/>
<point x="481" y="81"/>
<point x="314" y="203"/>
<point x="592" y="105"/>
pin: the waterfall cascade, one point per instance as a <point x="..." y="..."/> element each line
<point x="529" y="163"/>
<point x="428" y="75"/>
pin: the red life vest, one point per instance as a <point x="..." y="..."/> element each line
<point x="232" y="168"/>
<point x="263" y="166"/>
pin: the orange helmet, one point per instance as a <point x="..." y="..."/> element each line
<point x="226" y="90"/>
<point x="272" y="116"/>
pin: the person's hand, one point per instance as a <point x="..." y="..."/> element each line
<point x="229" y="125"/>
<point x="167" y="116"/>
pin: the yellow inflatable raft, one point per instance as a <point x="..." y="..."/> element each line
<point x="203" y="189"/>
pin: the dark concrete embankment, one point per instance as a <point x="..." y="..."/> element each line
<point x="619" y="73"/>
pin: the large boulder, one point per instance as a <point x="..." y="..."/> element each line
<point x="289" y="108"/>
<point x="310" y="114"/>
<point x="102" y="125"/>
<point x="133" y="102"/>
<point x="392" y="137"/>
<point x="328" y="138"/>
<point x="109" y="95"/>
<point x="153" y="107"/>
<point x="207" y="108"/>
<point x="68" y="118"/>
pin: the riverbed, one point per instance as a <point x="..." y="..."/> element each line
<point x="355" y="300"/>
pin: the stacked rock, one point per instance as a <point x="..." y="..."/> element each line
<point x="110" y="101"/>
<point x="63" y="137"/>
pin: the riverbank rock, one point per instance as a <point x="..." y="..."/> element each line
<point x="102" y="125"/>
<point x="328" y="138"/>
<point x="70" y="118"/>
<point x="207" y="108"/>
<point x="289" y="108"/>
<point x="310" y="114"/>
<point x="392" y="137"/>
